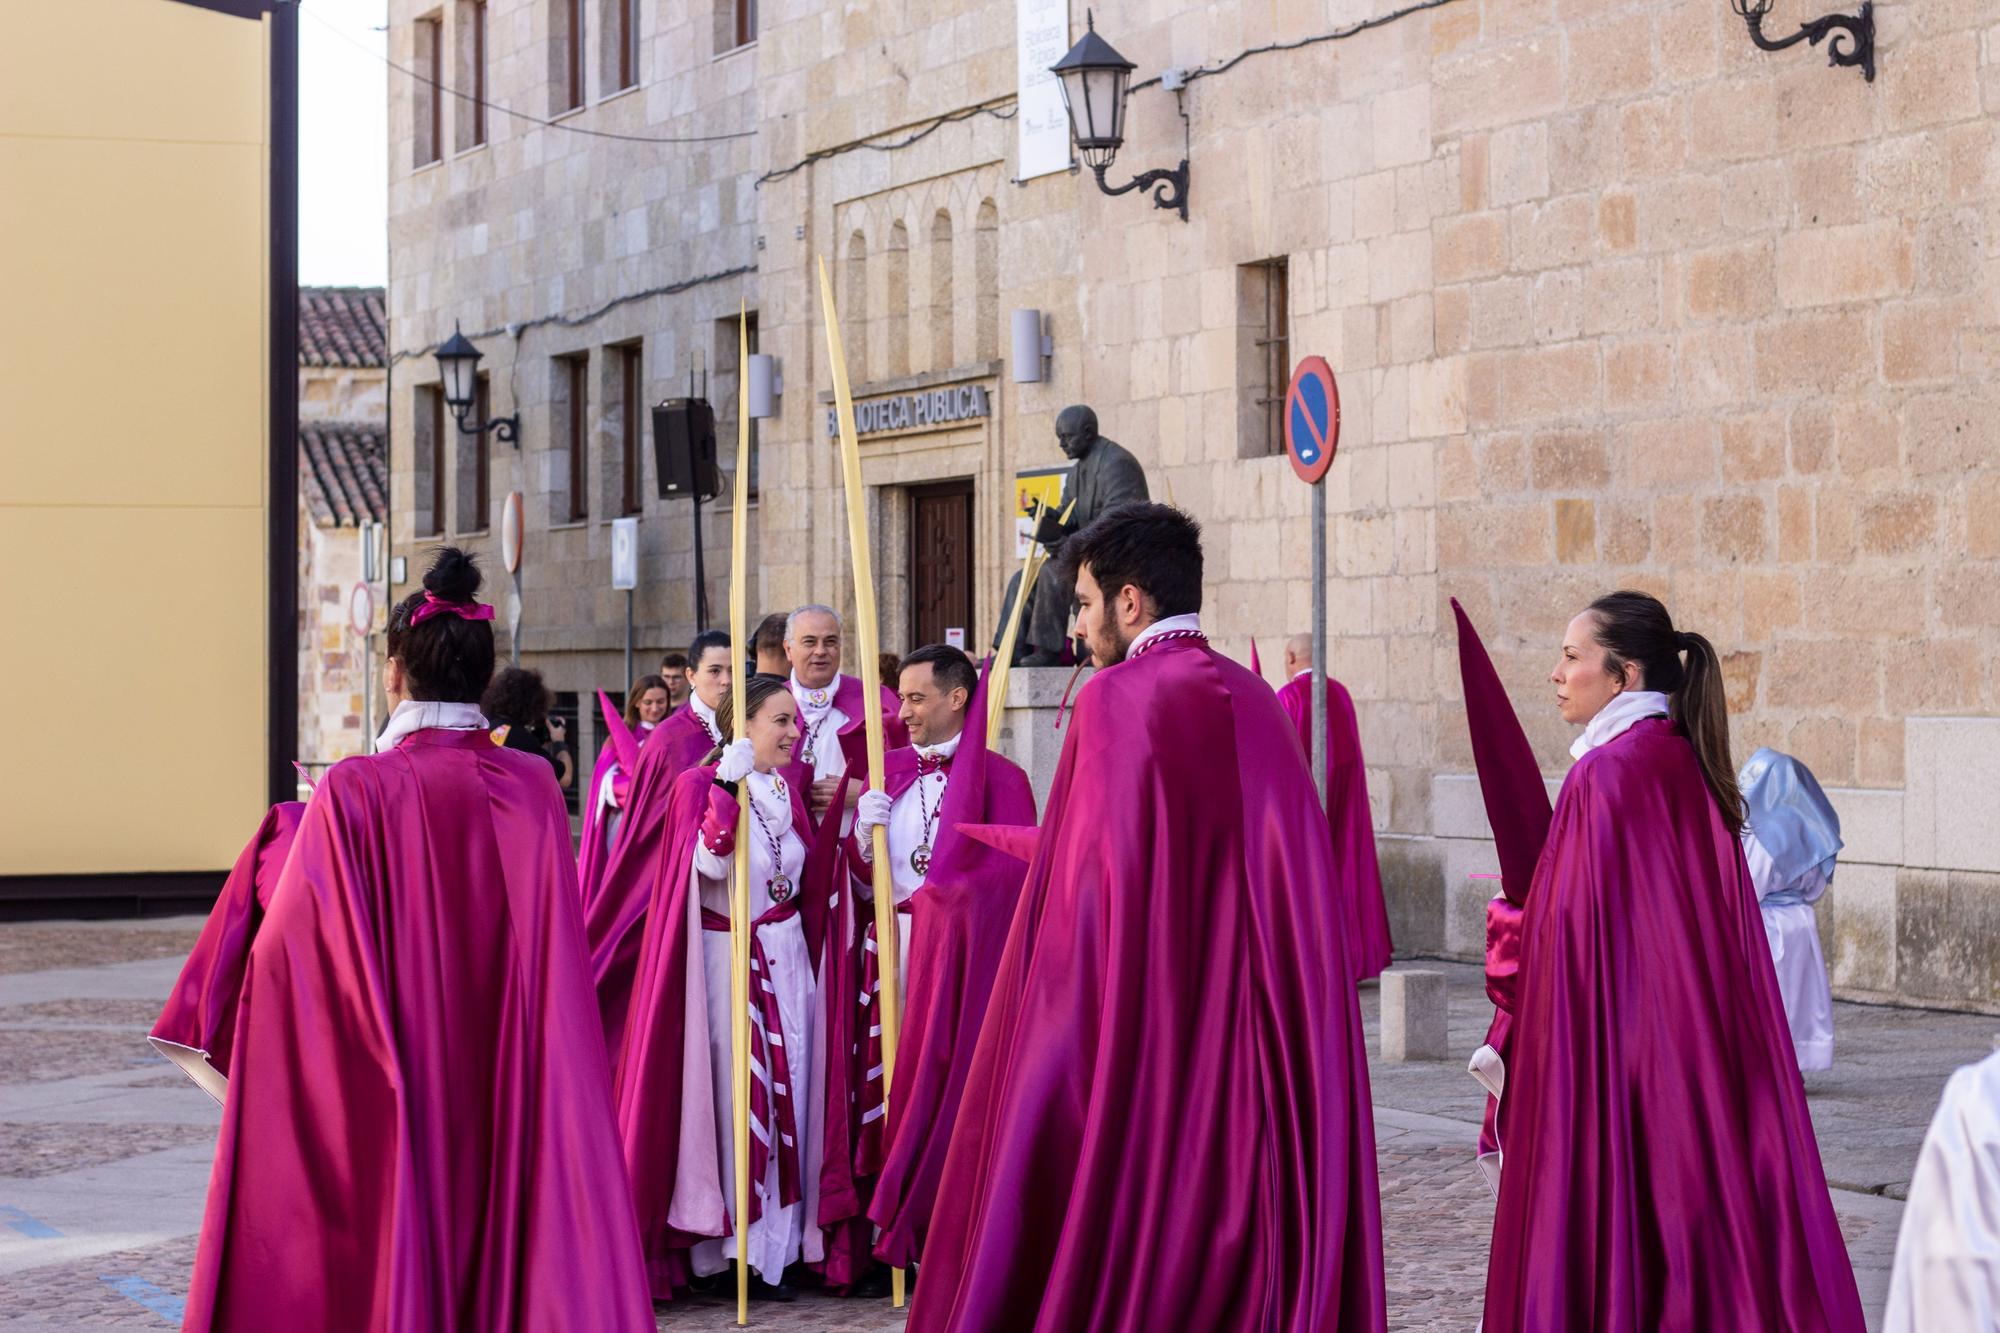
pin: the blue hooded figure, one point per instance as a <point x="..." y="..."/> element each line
<point x="1791" y="839"/>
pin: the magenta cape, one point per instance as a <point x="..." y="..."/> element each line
<point x="200" y="1014"/>
<point x="958" y="927"/>
<point x="661" y="1089"/>
<point x="1660" y="1169"/>
<point x="592" y="855"/>
<point x="1357" y="878"/>
<point x="418" y="1133"/>
<point x="614" y="919"/>
<point x="1170" y="1085"/>
<point x="848" y="698"/>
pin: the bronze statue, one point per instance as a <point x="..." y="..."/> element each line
<point x="1105" y="476"/>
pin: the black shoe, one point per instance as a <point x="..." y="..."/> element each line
<point x="874" y="1286"/>
<point x="760" y="1290"/>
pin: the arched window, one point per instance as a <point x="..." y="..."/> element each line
<point x="896" y="303"/>
<point x="986" y="277"/>
<point x="943" y="315"/>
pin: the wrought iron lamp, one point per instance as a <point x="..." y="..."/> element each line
<point x="1849" y="38"/>
<point x="458" y="368"/>
<point x="1093" y="77"/>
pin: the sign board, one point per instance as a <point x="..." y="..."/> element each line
<point x="513" y="527"/>
<point x="1030" y="486"/>
<point x="955" y="637"/>
<point x="906" y="411"/>
<point x="625" y="553"/>
<point x="361" y="609"/>
<point x="1312" y="419"/>
<point x="1041" y="37"/>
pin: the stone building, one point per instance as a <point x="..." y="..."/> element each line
<point x="1615" y="299"/>
<point x="343" y="485"/>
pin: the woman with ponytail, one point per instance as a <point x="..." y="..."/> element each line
<point x="1659" y="1168"/>
<point x="417" y="1130"/>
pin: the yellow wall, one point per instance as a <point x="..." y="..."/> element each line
<point x="133" y="439"/>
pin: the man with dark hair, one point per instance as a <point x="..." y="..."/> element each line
<point x="673" y="670"/>
<point x="1175" y="1006"/>
<point x="1105" y="476"/>
<point x="954" y="898"/>
<point x="769" y="646"/>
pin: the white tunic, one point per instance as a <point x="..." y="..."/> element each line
<point x="907" y="832"/>
<point x="1947" y="1271"/>
<point x="820" y="725"/>
<point x="1793" y="932"/>
<point x="781" y="1236"/>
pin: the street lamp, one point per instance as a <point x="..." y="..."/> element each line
<point x="1849" y="38"/>
<point x="458" y="368"/>
<point x="1094" y="78"/>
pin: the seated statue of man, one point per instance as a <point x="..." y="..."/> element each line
<point x="1105" y="476"/>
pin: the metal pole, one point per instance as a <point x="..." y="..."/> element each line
<point x="514" y="631"/>
<point x="628" y="635"/>
<point x="1319" y="639"/>
<point x="700" y="574"/>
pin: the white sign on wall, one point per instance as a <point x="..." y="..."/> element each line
<point x="624" y="553"/>
<point x="1041" y="39"/>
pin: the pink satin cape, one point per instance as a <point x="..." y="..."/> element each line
<point x="663" y="1099"/>
<point x="418" y="1132"/>
<point x="1357" y="877"/>
<point x="592" y="853"/>
<point x="200" y="1014"/>
<point x="1167" y="1124"/>
<point x="1661" y="1170"/>
<point x="615" y="917"/>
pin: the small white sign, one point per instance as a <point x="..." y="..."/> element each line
<point x="955" y="636"/>
<point x="361" y="609"/>
<point x="624" y="553"/>
<point x="1041" y="39"/>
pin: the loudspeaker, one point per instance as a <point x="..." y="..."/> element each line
<point x="684" y="450"/>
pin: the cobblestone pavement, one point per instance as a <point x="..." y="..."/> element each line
<point x="104" y="1150"/>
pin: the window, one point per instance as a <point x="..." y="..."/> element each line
<point x="572" y="428"/>
<point x="726" y="396"/>
<point x="471" y="73"/>
<point x="1263" y="356"/>
<point x="475" y="462"/>
<point x="430" y="90"/>
<point x="620" y="69"/>
<point x="631" y="428"/>
<point x="429" y="458"/>
<point x="566" y="55"/>
<point x="735" y="24"/>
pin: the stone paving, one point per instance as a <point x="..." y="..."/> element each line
<point x="104" y="1149"/>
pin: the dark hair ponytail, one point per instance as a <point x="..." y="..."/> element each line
<point x="1634" y="627"/>
<point x="760" y="689"/>
<point x="447" y="658"/>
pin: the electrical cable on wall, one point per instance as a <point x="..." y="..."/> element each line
<point x="936" y="123"/>
<point x="1338" y="34"/>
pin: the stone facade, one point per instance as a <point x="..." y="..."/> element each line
<point x="1615" y="299"/>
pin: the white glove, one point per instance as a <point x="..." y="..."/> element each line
<point x="738" y="758"/>
<point x="871" y="810"/>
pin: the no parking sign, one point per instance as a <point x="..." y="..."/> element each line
<point x="1312" y="419"/>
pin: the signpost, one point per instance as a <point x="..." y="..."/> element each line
<point x="1312" y="433"/>
<point x="513" y="527"/>
<point x="625" y="573"/>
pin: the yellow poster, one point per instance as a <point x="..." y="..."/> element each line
<point x="1033" y="486"/>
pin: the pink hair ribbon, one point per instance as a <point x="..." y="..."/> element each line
<point x="435" y="605"/>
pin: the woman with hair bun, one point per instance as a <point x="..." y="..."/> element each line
<point x="1660" y="1170"/>
<point x="417" y="1129"/>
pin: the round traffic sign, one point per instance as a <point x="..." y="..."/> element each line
<point x="512" y="530"/>
<point x="361" y="608"/>
<point x="1312" y="419"/>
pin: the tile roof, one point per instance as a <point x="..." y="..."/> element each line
<point x="342" y="326"/>
<point x="344" y="469"/>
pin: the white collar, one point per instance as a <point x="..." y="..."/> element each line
<point x="942" y="750"/>
<point x="770" y="795"/>
<point x="802" y="693"/>
<point x="706" y="714"/>
<point x="1171" y="625"/>
<point x="1616" y="717"/>
<point x="414" y="715"/>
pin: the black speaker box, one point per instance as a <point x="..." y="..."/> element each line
<point x="684" y="450"/>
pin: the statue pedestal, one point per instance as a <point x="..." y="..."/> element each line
<point x="1028" y="734"/>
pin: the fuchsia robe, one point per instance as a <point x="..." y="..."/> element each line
<point x="1357" y="877"/>
<point x="1660" y="1168"/>
<point x="418" y="1132"/>
<point x="197" y="1028"/>
<point x="593" y="851"/>
<point x="1171" y="1081"/>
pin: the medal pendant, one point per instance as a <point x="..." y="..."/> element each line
<point x="779" y="887"/>
<point x="920" y="859"/>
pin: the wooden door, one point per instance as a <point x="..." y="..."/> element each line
<point x="941" y="564"/>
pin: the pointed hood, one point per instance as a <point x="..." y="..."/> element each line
<point x="1510" y="782"/>
<point x="622" y="740"/>
<point x="1256" y="667"/>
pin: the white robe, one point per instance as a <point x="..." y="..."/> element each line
<point x="820" y="726"/>
<point x="1793" y="932"/>
<point x="1947" y="1270"/>
<point x="780" y="1236"/>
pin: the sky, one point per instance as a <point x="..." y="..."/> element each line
<point x="343" y="143"/>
